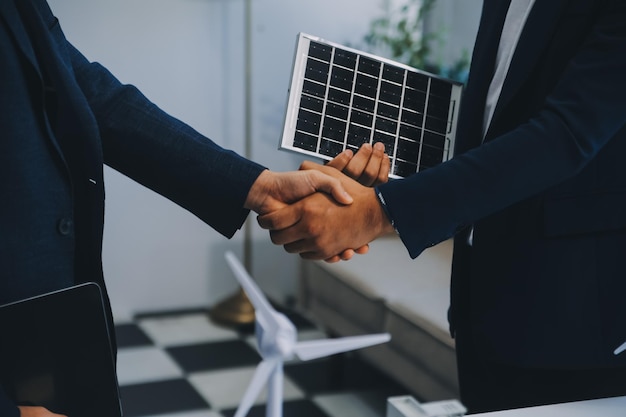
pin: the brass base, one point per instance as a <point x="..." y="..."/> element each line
<point x="236" y="310"/>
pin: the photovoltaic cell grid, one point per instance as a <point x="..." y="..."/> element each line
<point x="341" y="98"/>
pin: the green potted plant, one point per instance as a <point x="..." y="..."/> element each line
<point x="399" y="34"/>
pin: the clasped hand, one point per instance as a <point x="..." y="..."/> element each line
<point x="340" y="220"/>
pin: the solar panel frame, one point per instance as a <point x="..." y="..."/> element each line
<point x="340" y="97"/>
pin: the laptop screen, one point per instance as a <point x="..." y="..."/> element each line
<point x="56" y="352"/>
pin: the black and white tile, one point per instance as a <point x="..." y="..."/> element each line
<point x="183" y="365"/>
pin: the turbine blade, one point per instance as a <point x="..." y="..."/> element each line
<point x="258" y="300"/>
<point x="319" y="348"/>
<point x="620" y="349"/>
<point x="259" y="380"/>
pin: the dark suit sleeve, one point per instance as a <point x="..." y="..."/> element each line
<point x="583" y="112"/>
<point x="7" y="408"/>
<point x="164" y="154"/>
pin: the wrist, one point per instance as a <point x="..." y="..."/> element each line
<point x="258" y="192"/>
<point x="387" y="223"/>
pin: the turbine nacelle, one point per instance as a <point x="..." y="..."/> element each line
<point x="276" y="342"/>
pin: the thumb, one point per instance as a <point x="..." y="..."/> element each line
<point x="330" y="185"/>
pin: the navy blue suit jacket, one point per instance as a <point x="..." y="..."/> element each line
<point x="544" y="283"/>
<point x="61" y="118"/>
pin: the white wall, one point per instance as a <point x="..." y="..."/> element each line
<point x="187" y="56"/>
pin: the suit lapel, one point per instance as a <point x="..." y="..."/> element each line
<point x="75" y="124"/>
<point x="10" y="15"/>
<point x="76" y="130"/>
<point x="15" y="23"/>
<point x="533" y="39"/>
<point x="482" y="69"/>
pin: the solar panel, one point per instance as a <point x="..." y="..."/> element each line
<point x="340" y="98"/>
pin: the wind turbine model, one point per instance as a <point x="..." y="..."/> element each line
<point x="276" y="340"/>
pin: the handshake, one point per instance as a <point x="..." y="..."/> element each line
<point x="327" y="212"/>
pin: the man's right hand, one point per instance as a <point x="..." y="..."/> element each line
<point x="369" y="166"/>
<point x="37" y="412"/>
<point x="317" y="227"/>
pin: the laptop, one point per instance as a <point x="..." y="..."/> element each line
<point x="56" y="352"/>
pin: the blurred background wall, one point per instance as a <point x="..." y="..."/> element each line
<point x="187" y="56"/>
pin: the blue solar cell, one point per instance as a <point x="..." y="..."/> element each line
<point x="346" y="98"/>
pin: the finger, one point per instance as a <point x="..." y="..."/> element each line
<point x="330" y="171"/>
<point x="343" y="256"/>
<point x="37" y="411"/>
<point x="362" y="250"/>
<point x="306" y="165"/>
<point x="330" y="185"/>
<point x="341" y="160"/>
<point x="301" y="243"/>
<point x="356" y="166"/>
<point x="371" y="171"/>
<point x="293" y="244"/>
<point x="332" y="259"/>
<point x="295" y="239"/>
<point x="383" y="174"/>
<point x="280" y="219"/>
<point x="347" y="254"/>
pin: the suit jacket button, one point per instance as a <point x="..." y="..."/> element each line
<point x="64" y="226"/>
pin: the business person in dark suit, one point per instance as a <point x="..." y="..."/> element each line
<point x="61" y="118"/>
<point x="535" y="198"/>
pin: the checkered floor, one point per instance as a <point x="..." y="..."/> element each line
<point x="183" y="365"/>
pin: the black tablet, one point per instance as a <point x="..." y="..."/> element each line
<point x="56" y="352"/>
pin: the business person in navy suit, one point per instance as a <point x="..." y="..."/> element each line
<point x="61" y="118"/>
<point x="535" y="198"/>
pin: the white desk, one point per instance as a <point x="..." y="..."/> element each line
<point x="606" y="407"/>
